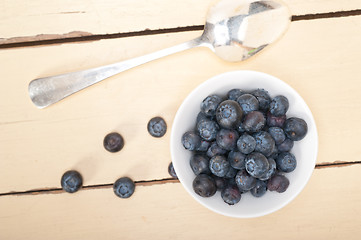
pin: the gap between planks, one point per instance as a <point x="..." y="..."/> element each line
<point x="150" y="182"/>
<point x="84" y="37"/>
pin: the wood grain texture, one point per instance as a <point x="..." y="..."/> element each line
<point x="318" y="58"/>
<point x="326" y="209"/>
<point x="39" y="19"/>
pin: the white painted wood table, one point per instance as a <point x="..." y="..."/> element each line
<point x="319" y="56"/>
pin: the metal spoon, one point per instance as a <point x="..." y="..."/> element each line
<point x="235" y="30"/>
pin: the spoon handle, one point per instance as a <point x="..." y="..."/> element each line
<point x="46" y="91"/>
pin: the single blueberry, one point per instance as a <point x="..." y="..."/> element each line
<point x="203" y="147"/>
<point x="171" y="170"/>
<point x="157" y="127"/>
<point x="278" y="183"/>
<point x="234" y="94"/>
<point x="285" y="146"/>
<point x="263" y="98"/>
<point x="260" y="189"/>
<point x="237" y="160"/>
<point x="275" y="121"/>
<point x="256" y="164"/>
<point x="246" y="143"/>
<point x="204" y="185"/>
<point x="295" y="128"/>
<point x="199" y="164"/>
<point x="264" y="143"/>
<point x="214" y="150"/>
<point x="229" y="114"/>
<point x="286" y="162"/>
<point x="71" y="181"/>
<point x="277" y="134"/>
<point x="254" y="121"/>
<point x="231" y="194"/>
<point x="191" y="141"/>
<point x="207" y="129"/>
<point x="210" y="104"/>
<point x="113" y="142"/>
<point x="245" y="181"/>
<point x="124" y="187"/>
<point x="248" y="103"/>
<point x="219" y="165"/>
<point x="227" y="139"/>
<point x="279" y="106"/>
<point x="220" y="182"/>
<point x="271" y="170"/>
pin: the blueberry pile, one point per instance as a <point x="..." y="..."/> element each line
<point x="241" y="143"/>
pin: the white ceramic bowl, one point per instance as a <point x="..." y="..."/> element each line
<point x="304" y="150"/>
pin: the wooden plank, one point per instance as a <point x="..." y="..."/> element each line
<point x="39" y="19"/>
<point x="38" y="146"/>
<point x="328" y="208"/>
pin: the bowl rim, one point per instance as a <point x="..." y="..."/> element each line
<point x="177" y="119"/>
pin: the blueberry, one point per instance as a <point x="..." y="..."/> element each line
<point x="248" y="103"/>
<point x="203" y="147"/>
<point x="263" y="98"/>
<point x="275" y="121"/>
<point x="264" y="143"/>
<point x="124" y="187"/>
<point x="220" y="182"/>
<point x="286" y="162"/>
<point x="157" y="127"/>
<point x="71" y="181"/>
<point x="231" y="173"/>
<point x="256" y="164"/>
<point x="199" y="164"/>
<point x="246" y="143"/>
<point x="285" y="146"/>
<point x="210" y="104"/>
<point x="237" y="160"/>
<point x="234" y="94"/>
<point x="171" y="170"/>
<point x="260" y="189"/>
<point x="278" y="183"/>
<point x="219" y="165"/>
<point x="229" y="114"/>
<point x="271" y="170"/>
<point x="231" y="194"/>
<point x="191" y="141"/>
<point x="113" y="142"/>
<point x="277" y="134"/>
<point x="207" y="129"/>
<point x="214" y="150"/>
<point x="254" y="121"/>
<point x="204" y="185"/>
<point x="227" y="139"/>
<point x="245" y="181"/>
<point x="295" y="128"/>
<point x="279" y="106"/>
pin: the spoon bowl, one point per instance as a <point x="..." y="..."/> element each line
<point x="235" y="30"/>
